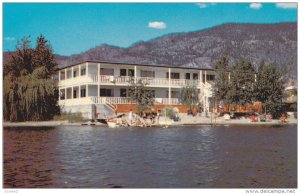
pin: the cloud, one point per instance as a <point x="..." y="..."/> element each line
<point x="157" y="25"/>
<point x="255" y="5"/>
<point x="9" y="38"/>
<point x="204" y="5"/>
<point x="287" y="5"/>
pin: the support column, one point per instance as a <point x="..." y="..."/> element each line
<point x="201" y="76"/>
<point x="79" y="91"/>
<point x="79" y="73"/>
<point x="135" y="74"/>
<point x="87" y="90"/>
<point x="72" y="93"/>
<point x="169" y="85"/>
<point x="65" y="94"/>
<point x="87" y="69"/>
<point x="66" y="74"/>
<point x="205" y="76"/>
<point x="98" y="75"/>
<point x="72" y="72"/>
<point x="59" y="75"/>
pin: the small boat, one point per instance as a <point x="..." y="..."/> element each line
<point x="111" y="124"/>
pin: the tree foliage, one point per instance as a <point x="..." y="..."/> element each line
<point x="30" y="92"/>
<point x="242" y="78"/>
<point x="269" y="88"/>
<point x="139" y="94"/>
<point x="189" y="95"/>
<point x="221" y="84"/>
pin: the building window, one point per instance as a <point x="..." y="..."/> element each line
<point x="123" y="92"/>
<point x="145" y="73"/>
<point x="195" y="76"/>
<point x="83" y="72"/>
<point x="62" y="94"/>
<point x="210" y="77"/>
<point x="123" y="72"/>
<point x="62" y="75"/>
<point x="106" y="92"/>
<point x="74" y="93"/>
<point x="187" y="76"/>
<point x="173" y="75"/>
<point x="131" y="72"/>
<point x="69" y="74"/>
<point x="75" y="73"/>
<point x="83" y="92"/>
<point x="106" y="71"/>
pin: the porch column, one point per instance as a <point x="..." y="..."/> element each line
<point x="87" y="90"/>
<point x="135" y="73"/>
<point x="201" y="76"/>
<point x="72" y="73"/>
<point x="59" y="75"/>
<point x="66" y="73"/>
<point x="72" y="94"/>
<point x="98" y="75"/>
<point x="65" y="94"/>
<point x="205" y="76"/>
<point x="79" y="73"/>
<point x="169" y="85"/>
<point x="87" y="69"/>
<point x="79" y="91"/>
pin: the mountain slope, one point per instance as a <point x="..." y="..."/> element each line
<point x="254" y="42"/>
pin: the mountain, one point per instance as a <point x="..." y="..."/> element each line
<point x="253" y="42"/>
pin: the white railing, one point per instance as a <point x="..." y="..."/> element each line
<point x="126" y="100"/>
<point x="150" y="81"/>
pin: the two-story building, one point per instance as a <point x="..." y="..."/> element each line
<point x="97" y="88"/>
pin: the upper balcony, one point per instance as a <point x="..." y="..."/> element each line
<point x="117" y="75"/>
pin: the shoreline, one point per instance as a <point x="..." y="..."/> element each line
<point x="217" y="123"/>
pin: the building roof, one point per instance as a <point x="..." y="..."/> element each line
<point x="121" y="63"/>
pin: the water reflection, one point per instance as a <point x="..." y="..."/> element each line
<point x="194" y="156"/>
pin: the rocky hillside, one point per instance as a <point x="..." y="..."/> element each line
<point x="254" y="42"/>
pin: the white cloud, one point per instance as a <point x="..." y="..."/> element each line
<point x="9" y="38"/>
<point x="287" y="5"/>
<point x="204" y="5"/>
<point x="255" y="5"/>
<point x="157" y="25"/>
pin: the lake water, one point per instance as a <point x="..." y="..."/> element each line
<point x="175" y="157"/>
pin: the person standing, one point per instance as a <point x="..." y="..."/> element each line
<point x="130" y="117"/>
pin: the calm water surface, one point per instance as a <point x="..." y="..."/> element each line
<point x="177" y="157"/>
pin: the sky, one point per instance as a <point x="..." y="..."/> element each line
<point x="72" y="28"/>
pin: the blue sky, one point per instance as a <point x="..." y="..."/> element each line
<point x="73" y="28"/>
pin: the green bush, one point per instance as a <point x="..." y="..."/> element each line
<point x="168" y="111"/>
<point x="71" y="117"/>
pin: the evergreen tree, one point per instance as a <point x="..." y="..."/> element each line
<point x="43" y="57"/>
<point x="241" y="84"/>
<point x="269" y="88"/>
<point x="221" y="84"/>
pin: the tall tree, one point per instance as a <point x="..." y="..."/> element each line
<point x="139" y="94"/>
<point x="29" y="92"/>
<point x="189" y="96"/>
<point x="241" y="84"/>
<point x="221" y="84"/>
<point x="43" y="56"/>
<point x="269" y="88"/>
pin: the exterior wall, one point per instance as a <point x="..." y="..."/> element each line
<point x="160" y="84"/>
<point x="87" y="111"/>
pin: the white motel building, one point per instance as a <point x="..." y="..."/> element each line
<point x="98" y="88"/>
